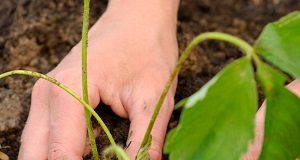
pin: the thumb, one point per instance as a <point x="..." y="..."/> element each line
<point x="140" y="115"/>
<point x="255" y="147"/>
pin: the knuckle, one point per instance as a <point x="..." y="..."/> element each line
<point x="93" y="94"/>
<point x="76" y="48"/>
<point x="57" y="151"/>
<point x="38" y="87"/>
<point x="155" y="153"/>
<point x="295" y="87"/>
<point x="150" y="97"/>
<point x="70" y="79"/>
<point x="170" y="102"/>
<point x="155" y="150"/>
<point x="64" y="78"/>
<point x="154" y="94"/>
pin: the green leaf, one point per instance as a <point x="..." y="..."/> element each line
<point x="282" y="121"/>
<point x="217" y="121"/>
<point x="279" y="43"/>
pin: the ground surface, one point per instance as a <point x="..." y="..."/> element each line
<point x="36" y="35"/>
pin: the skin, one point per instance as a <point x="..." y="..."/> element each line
<point x="132" y="51"/>
<point x="128" y="64"/>
<point x="256" y="146"/>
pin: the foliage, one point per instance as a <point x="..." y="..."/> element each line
<point x="217" y="121"/>
<point x="282" y="120"/>
<point x="214" y="121"/>
<point x="279" y="44"/>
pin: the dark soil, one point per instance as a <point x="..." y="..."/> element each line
<point x="36" y="35"/>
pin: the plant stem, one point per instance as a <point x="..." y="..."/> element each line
<point x="120" y="153"/>
<point x="244" y="46"/>
<point x="84" y="44"/>
<point x="69" y="91"/>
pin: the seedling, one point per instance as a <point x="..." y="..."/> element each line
<point x="217" y="122"/>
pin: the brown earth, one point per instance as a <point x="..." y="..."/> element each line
<point x="36" y="35"/>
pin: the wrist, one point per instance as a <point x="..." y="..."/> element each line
<point x="141" y="22"/>
<point x="153" y="13"/>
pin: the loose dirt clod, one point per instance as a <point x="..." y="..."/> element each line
<point x="10" y="110"/>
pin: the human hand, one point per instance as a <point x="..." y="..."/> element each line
<point x="130" y="56"/>
<point x="255" y="148"/>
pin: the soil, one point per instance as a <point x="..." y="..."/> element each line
<point x="36" y="35"/>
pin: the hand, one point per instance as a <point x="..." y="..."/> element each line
<point x="255" y="148"/>
<point x="130" y="58"/>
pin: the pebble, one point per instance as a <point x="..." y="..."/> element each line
<point x="3" y="156"/>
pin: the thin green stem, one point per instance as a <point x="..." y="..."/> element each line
<point x="69" y="91"/>
<point x="244" y="46"/>
<point x="84" y="43"/>
<point x="117" y="150"/>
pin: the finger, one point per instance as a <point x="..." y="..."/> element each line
<point x="140" y="117"/>
<point x="67" y="121"/>
<point x="295" y="87"/>
<point x="34" y="141"/>
<point x="255" y="147"/>
<point x="88" y="149"/>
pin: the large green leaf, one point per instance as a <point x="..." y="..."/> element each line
<point x="279" y="43"/>
<point x="282" y="122"/>
<point x="217" y="121"/>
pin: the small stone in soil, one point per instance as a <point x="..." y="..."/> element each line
<point x="3" y="156"/>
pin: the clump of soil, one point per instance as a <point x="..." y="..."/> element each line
<point x="10" y="112"/>
<point x="36" y="35"/>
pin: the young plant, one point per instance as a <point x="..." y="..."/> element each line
<point x="217" y="122"/>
